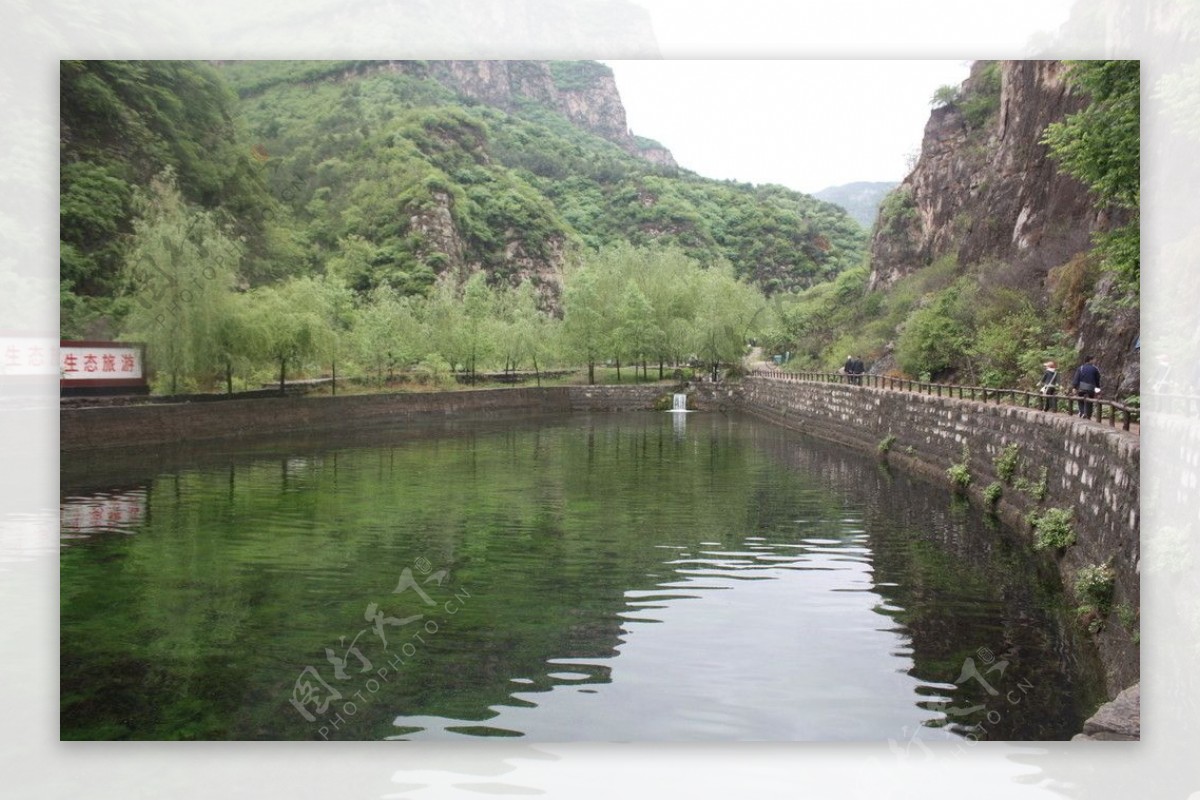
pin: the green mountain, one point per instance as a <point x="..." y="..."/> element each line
<point x="397" y="172"/>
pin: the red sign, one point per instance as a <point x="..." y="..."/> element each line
<point x="85" y="364"/>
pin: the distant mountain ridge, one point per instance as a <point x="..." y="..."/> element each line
<point x="860" y="199"/>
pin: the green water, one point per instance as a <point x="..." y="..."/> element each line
<point x="646" y="576"/>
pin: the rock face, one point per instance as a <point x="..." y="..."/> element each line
<point x="990" y="191"/>
<point x="986" y="191"/>
<point x="1119" y="719"/>
<point x="589" y="99"/>
<point x="583" y="92"/>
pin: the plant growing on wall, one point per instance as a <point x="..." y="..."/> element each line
<point x="1094" y="588"/>
<point x="959" y="473"/>
<point x="1035" y="490"/>
<point x="1052" y="529"/>
<point x="1006" y="462"/>
<point x="992" y="494"/>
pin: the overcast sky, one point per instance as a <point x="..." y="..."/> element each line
<point x="804" y="124"/>
<point x="818" y="123"/>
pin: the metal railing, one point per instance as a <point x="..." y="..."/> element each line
<point x="1100" y="408"/>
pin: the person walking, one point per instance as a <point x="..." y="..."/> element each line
<point x="1087" y="386"/>
<point x="1048" y="387"/>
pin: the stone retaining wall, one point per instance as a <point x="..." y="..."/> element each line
<point x="160" y="424"/>
<point x="1090" y="468"/>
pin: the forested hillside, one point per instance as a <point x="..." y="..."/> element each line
<point x="393" y="173"/>
<point x="239" y="215"/>
<point x="257" y="219"/>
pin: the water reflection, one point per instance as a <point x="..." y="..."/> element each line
<point x="624" y="583"/>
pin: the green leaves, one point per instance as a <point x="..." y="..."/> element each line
<point x="1100" y="146"/>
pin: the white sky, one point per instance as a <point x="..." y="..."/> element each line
<point x="804" y="124"/>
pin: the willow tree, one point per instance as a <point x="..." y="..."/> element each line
<point x="179" y="277"/>
<point x="727" y="315"/>
<point x="295" y="316"/>
<point x="584" y="322"/>
<point x="387" y="332"/>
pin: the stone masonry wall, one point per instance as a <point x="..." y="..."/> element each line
<point x="161" y="424"/>
<point x="1091" y="469"/>
<point x="147" y="425"/>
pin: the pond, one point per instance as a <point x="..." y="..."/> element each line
<point x="619" y="577"/>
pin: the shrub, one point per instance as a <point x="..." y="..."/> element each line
<point x="1036" y="491"/>
<point x="992" y="493"/>
<point x="885" y="444"/>
<point x="1006" y="462"/>
<point x="945" y="95"/>
<point x="1052" y="529"/>
<point x="960" y="473"/>
<point x="1094" y="586"/>
<point x="1127" y="615"/>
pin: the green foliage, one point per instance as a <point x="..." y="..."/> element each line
<point x="982" y="99"/>
<point x="1037" y="490"/>
<point x="575" y="75"/>
<point x="959" y="473"/>
<point x="1094" y="586"/>
<point x="945" y="95"/>
<point x="885" y="444"/>
<point x="934" y="337"/>
<point x="1101" y="145"/>
<point x="992" y="494"/>
<point x="1006" y="462"/>
<point x="123" y="123"/>
<point x="361" y="156"/>
<point x="178" y="280"/>
<point x="1052" y="529"/>
<point x="897" y="210"/>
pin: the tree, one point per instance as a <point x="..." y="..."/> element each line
<point x="535" y="333"/>
<point x="296" y="318"/>
<point x="387" y="332"/>
<point x="239" y="337"/>
<point x="584" y="324"/>
<point x="444" y="321"/>
<point x="727" y="313"/>
<point x="179" y="278"/>
<point x="636" y="331"/>
<point x="479" y="308"/>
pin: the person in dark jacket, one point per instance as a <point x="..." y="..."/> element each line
<point x="1048" y="386"/>
<point x="1087" y="385"/>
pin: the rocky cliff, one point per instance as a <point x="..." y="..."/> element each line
<point x="584" y="92"/>
<point x="986" y="192"/>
